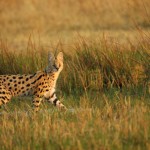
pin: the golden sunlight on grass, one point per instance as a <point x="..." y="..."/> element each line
<point x="111" y="127"/>
<point x="52" y="21"/>
<point x="105" y="83"/>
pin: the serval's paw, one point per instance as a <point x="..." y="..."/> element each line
<point x="61" y="107"/>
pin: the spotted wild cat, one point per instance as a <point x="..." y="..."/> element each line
<point x="39" y="85"/>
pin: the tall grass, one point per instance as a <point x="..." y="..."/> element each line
<point x="93" y="66"/>
<point x="117" y="125"/>
<point x="106" y="84"/>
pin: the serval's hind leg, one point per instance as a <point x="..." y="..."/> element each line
<point x="5" y="95"/>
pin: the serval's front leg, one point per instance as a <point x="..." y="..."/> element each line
<point x="52" y="98"/>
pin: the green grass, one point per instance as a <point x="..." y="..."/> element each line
<point x="98" y="123"/>
<point x="105" y="87"/>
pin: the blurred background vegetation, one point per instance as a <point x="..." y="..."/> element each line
<point x="51" y="21"/>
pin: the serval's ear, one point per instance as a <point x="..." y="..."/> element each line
<point x="60" y="57"/>
<point x="59" y="61"/>
<point x="49" y="68"/>
<point x="50" y="58"/>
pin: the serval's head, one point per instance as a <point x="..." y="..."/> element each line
<point x="54" y="64"/>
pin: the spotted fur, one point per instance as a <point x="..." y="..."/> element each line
<point x="39" y="85"/>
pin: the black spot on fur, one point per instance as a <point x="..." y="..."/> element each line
<point x="20" y="77"/>
<point x="37" y="101"/>
<point x="3" y="102"/>
<point x="32" y="75"/>
<point x="2" y="97"/>
<point x="37" y="79"/>
<point x="33" y="82"/>
<point x="27" y="79"/>
<point x="35" y="92"/>
<point x="52" y="95"/>
<point x="55" y="101"/>
<point x="28" y="85"/>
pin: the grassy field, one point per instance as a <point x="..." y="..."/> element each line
<point x="105" y="82"/>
